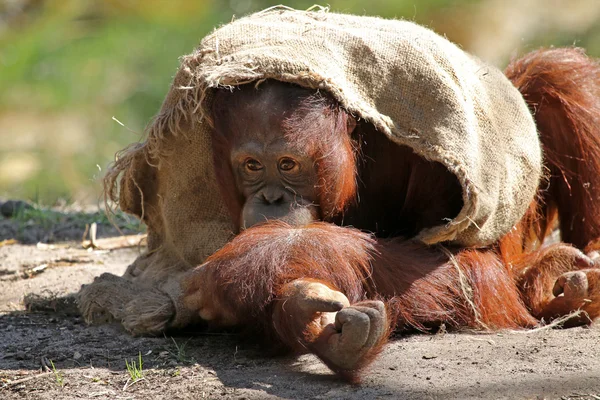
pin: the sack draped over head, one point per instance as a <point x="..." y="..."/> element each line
<point x="413" y="85"/>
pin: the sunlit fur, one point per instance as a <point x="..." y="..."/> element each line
<point x="269" y="255"/>
<point x="562" y="88"/>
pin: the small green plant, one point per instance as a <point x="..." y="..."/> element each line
<point x="31" y="220"/>
<point x="136" y="371"/>
<point x="43" y="217"/>
<point x="57" y="375"/>
<point x="180" y="353"/>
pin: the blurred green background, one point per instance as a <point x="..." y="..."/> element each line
<point x="67" y="67"/>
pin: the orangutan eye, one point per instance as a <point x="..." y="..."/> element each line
<point x="287" y="164"/>
<point x="253" y="165"/>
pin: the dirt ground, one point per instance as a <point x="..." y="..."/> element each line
<point x="90" y="362"/>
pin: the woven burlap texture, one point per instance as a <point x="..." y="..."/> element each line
<point x="413" y="85"/>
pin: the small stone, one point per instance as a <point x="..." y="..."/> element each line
<point x="77" y="355"/>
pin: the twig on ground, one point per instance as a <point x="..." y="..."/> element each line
<point x="553" y="324"/>
<point x="29" y="378"/>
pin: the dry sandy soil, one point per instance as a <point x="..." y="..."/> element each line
<point x="90" y="361"/>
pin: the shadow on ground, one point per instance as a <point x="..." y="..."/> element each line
<point x="221" y="363"/>
<point x="199" y="363"/>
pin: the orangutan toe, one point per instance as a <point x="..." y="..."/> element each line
<point x="355" y="337"/>
<point x="314" y="297"/>
<point x="575" y="292"/>
<point x="572" y="285"/>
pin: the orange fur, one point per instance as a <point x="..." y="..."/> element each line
<point x="562" y="88"/>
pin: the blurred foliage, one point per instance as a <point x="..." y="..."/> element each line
<point x="68" y="66"/>
<point x="87" y="61"/>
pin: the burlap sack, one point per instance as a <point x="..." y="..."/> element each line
<point x="413" y="85"/>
